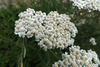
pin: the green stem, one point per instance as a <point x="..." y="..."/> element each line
<point x="24" y="48"/>
<point x="54" y="54"/>
<point x="23" y="54"/>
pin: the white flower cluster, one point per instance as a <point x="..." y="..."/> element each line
<point x="87" y="4"/>
<point x="52" y="30"/>
<point x="78" y="58"/>
<point x="92" y="40"/>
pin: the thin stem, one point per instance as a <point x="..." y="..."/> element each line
<point x="23" y="54"/>
<point x="54" y="54"/>
<point x="24" y="47"/>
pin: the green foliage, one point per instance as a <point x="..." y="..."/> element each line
<point x="11" y="45"/>
<point x="86" y="31"/>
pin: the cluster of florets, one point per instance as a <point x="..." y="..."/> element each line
<point x="92" y="40"/>
<point x="52" y="30"/>
<point x="78" y="58"/>
<point x="87" y="4"/>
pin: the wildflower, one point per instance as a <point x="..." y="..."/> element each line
<point x="87" y="4"/>
<point x="81" y="58"/>
<point x="53" y="30"/>
<point x="92" y="40"/>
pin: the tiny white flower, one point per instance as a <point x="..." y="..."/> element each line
<point x="92" y="40"/>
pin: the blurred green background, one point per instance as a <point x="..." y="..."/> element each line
<point x="88" y="25"/>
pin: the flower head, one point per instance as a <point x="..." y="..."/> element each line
<point x="78" y="58"/>
<point x="87" y="4"/>
<point x="50" y="31"/>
